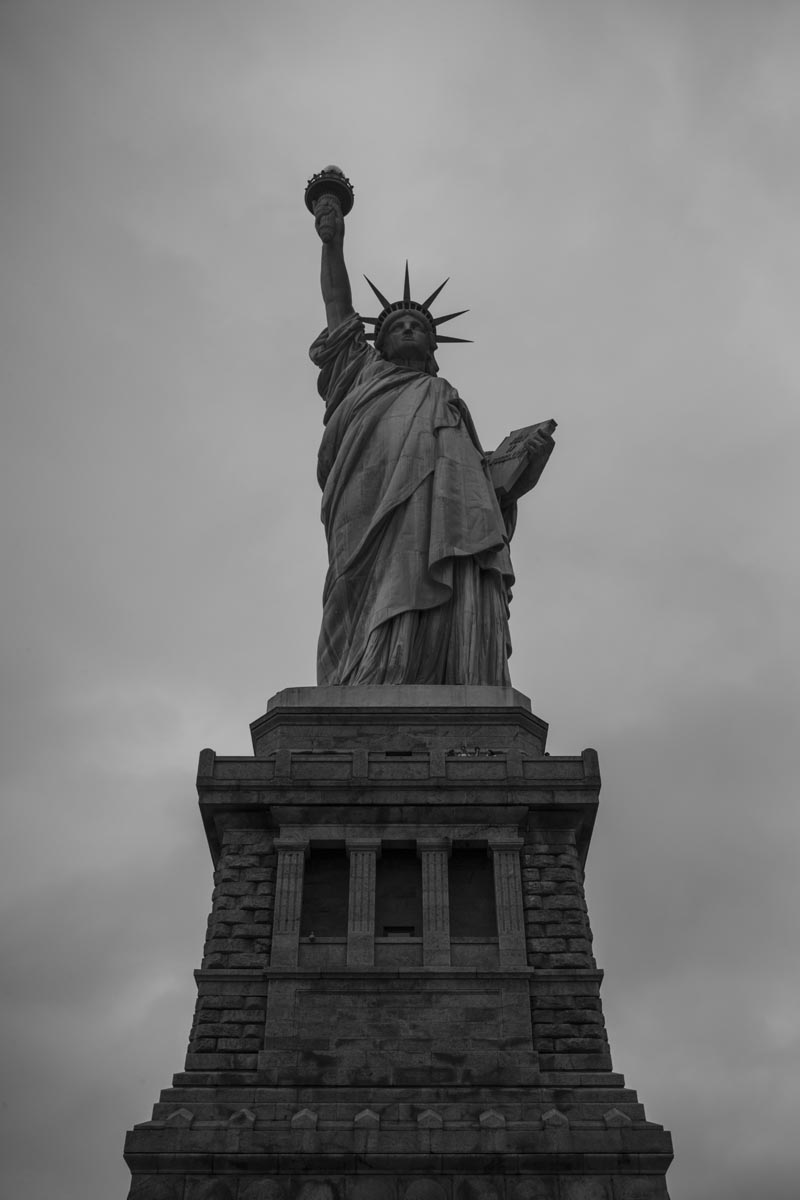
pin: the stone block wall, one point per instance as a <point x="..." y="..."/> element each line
<point x="557" y="927"/>
<point x="240" y="925"/>
<point x="568" y="1027"/>
<point x="228" y="1027"/>
<point x="566" y="1012"/>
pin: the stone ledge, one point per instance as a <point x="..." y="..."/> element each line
<point x="523" y="1137"/>
<point x="399" y="696"/>
<point x="568" y="974"/>
<point x="403" y="718"/>
<point x="489" y="1123"/>
<point x="374" y="974"/>
<point x="230" y="974"/>
<point x="238" y="1095"/>
<point x="302" y="767"/>
<point x="562" y="1159"/>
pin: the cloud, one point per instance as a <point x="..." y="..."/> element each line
<point x="614" y="192"/>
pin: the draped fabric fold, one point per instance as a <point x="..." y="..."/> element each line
<point x="419" y="572"/>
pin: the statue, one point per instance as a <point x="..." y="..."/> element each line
<point x="417" y="517"/>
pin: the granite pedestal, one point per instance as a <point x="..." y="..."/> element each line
<point x="398" y="998"/>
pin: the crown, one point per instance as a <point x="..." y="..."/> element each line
<point x="414" y="306"/>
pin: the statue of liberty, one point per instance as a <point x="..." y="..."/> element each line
<point x="419" y="577"/>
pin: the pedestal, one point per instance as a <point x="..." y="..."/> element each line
<point x="398" y="998"/>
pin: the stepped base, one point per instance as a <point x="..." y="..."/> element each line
<point x="570" y="1136"/>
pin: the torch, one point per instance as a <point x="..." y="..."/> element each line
<point x="331" y="186"/>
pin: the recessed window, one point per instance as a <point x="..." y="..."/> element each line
<point x="325" y="888"/>
<point x="398" y="894"/>
<point x="472" y="908"/>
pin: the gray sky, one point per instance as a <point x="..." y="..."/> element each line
<point x="614" y="189"/>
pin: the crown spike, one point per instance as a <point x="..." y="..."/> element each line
<point x="440" y="337"/>
<point x="380" y="295"/>
<point x="433" y="295"/>
<point x="406" y="287"/>
<point x="449" y="317"/>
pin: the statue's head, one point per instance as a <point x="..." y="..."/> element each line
<point x="405" y="331"/>
<point x="407" y="337"/>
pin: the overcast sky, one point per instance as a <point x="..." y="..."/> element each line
<point x="614" y="189"/>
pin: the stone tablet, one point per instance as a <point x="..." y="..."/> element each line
<point x="517" y="463"/>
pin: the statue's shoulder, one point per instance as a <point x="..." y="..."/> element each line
<point x="345" y="361"/>
<point x="349" y="338"/>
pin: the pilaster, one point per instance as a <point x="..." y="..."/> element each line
<point x="435" y="903"/>
<point x="508" y="899"/>
<point x="288" y="901"/>
<point x="363" y="856"/>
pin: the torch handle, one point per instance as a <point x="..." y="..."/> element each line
<point x="328" y="216"/>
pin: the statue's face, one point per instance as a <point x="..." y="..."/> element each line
<point x="408" y="337"/>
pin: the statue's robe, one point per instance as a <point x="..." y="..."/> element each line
<point x="419" y="571"/>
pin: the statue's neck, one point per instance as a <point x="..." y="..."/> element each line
<point x="411" y="364"/>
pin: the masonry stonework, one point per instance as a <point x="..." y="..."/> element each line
<point x="399" y="1061"/>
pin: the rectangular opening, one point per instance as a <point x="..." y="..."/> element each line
<point x="398" y="892"/>
<point x="472" y="907"/>
<point x="325" y="893"/>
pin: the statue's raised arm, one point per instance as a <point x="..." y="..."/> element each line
<point x="329" y="197"/>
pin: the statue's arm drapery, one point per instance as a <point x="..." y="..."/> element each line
<point x="340" y="354"/>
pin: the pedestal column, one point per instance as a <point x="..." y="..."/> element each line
<point x="288" y="901"/>
<point x="363" y="856"/>
<point x="508" y="902"/>
<point x="435" y="903"/>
